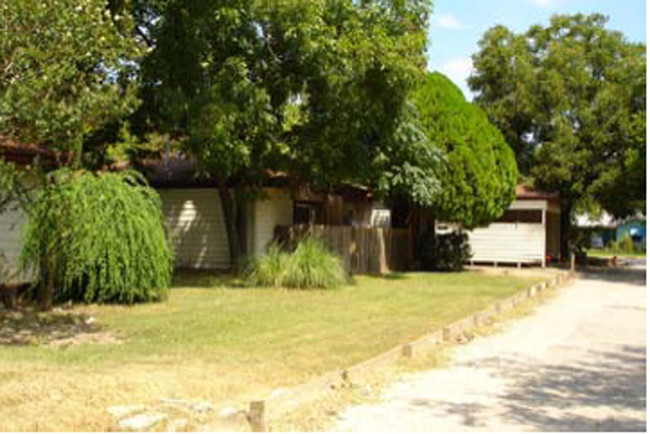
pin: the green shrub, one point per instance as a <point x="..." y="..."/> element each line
<point x="444" y="252"/>
<point x="269" y="269"/>
<point x="98" y="238"/>
<point x="313" y="266"/>
<point x="310" y="265"/>
<point x="624" y="245"/>
<point x="627" y="244"/>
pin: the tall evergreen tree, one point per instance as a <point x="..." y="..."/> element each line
<point x="480" y="176"/>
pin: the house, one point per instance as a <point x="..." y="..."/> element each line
<point x="527" y="233"/>
<point x="605" y="230"/>
<point x="633" y="227"/>
<point x="601" y="231"/>
<point x="192" y="209"/>
<point x="12" y="221"/>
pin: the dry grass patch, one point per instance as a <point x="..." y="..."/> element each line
<point x="217" y="341"/>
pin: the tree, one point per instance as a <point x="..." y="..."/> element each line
<point x="480" y="175"/>
<point x="65" y="69"/>
<point x="317" y="88"/>
<point x="97" y="238"/>
<point x="570" y="99"/>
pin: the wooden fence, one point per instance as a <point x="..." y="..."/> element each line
<point x="365" y="250"/>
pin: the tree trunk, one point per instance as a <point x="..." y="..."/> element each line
<point x="230" y="221"/>
<point x="46" y="287"/>
<point x="565" y="229"/>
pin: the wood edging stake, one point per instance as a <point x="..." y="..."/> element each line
<point x="257" y="416"/>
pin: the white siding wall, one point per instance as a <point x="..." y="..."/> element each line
<point x="508" y="242"/>
<point x="275" y="209"/>
<point x="512" y="242"/>
<point x="11" y="225"/>
<point x="196" y="226"/>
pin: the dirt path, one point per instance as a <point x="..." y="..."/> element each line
<point x="577" y="364"/>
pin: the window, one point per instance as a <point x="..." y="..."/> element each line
<point x="521" y="216"/>
<point x="306" y="213"/>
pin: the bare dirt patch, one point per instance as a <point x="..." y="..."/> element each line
<point x="57" y="329"/>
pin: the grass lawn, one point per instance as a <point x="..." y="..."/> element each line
<point x="605" y="253"/>
<point x="228" y="344"/>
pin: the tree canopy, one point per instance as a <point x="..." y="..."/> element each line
<point x="66" y="69"/>
<point x="570" y="98"/>
<point x="318" y="89"/>
<point x="480" y="175"/>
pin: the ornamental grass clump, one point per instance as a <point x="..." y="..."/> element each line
<point x="98" y="238"/>
<point x="310" y="265"/>
<point x="269" y="269"/>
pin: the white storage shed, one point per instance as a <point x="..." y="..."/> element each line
<point x="527" y="233"/>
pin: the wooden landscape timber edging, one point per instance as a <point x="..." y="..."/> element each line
<point x="261" y="412"/>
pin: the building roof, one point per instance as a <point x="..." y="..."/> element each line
<point x="179" y="171"/>
<point x="25" y="153"/>
<point x="527" y="193"/>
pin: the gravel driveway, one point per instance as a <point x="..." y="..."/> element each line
<point x="577" y="364"/>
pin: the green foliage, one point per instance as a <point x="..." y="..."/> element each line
<point x="65" y="70"/>
<point x="98" y="238"/>
<point x="627" y="245"/>
<point x="409" y="165"/>
<point x="12" y="196"/>
<point x="480" y="175"/>
<point x="570" y="99"/>
<point x="310" y="265"/>
<point x="445" y="252"/>
<point x="12" y="186"/>
<point x="315" y="87"/>
<point x="312" y="88"/>
<point x="269" y="270"/>
<point x="624" y="245"/>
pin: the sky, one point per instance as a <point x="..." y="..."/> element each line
<point x="457" y="26"/>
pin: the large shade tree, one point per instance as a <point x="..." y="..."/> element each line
<point x="570" y="98"/>
<point x="317" y="88"/>
<point x="65" y="70"/>
<point x="480" y="176"/>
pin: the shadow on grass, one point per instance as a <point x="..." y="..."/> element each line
<point x="28" y="326"/>
<point x="393" y="276"/>
<point x="206" y="279"/>
<point x="202" y="279"/>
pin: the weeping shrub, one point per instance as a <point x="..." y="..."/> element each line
<point x="98" y="238"/>
<point x="310" y="265"/>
